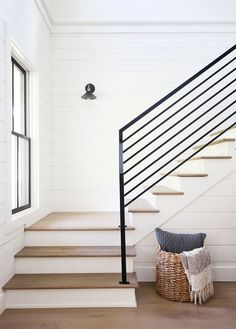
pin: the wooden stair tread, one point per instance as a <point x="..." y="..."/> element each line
<point x="180" y="174"/>
<point x="220" y="131"/>
<point x="69" y="281"/>
<point x="141" y="206"/>
<point x="78" y="221"/>
<point x="208" y="157"/>
<point x="217" y="141"/>
<point x="75" y="251"/>
<point x="75" y="228"/>
<point x="164" y="190"/>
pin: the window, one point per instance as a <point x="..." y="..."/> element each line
<point x="20" y="141"/>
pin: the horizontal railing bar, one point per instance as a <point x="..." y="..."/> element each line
<point x="176" y="123"/>
<point x="172" y="148"/>
<point x="192" y="155"/>
<point x="196" y="75"/>
<point x="178" y="111"/>
<point x="177" y="101"/>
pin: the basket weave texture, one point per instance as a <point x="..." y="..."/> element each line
<point x="171" y="280"/>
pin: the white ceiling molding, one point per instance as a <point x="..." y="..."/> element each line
<point x="132" y="26"/>
<point x="144" y="27"/>
<point x="45" y="13"/>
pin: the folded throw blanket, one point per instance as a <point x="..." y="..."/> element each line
<point x="197" y="266"/>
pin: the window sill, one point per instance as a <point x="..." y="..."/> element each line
<point x="23" y="213"/>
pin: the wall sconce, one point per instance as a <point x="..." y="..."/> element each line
<point x="89" y="88"/>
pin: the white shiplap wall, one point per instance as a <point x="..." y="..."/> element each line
<point x="2" y="124"/>
<point x="22" y="23"/>
<point x="131" y="71"/>
<point x="213" y="213"/>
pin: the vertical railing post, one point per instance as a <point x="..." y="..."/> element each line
<point x="122" y="212"/>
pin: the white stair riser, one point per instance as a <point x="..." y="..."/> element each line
<point x="223" y="149"/>
<point x="194" y="166"/>
<point x="172" y="182"/>
<point x="71" y="265"/>
<point x="67" y="298"/>
<point x="72" y="238"/>
<point x="171" y="205"/>
<point x="231" y="133"/>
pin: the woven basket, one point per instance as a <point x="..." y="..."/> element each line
<point x="171" y="280"/>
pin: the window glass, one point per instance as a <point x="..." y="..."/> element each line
<point x="20" y="146"/>
<point x="23" y="172"/>
<point x="18" y="101"/>
<point x="14" y="171"/>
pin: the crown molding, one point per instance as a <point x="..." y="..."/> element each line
<point x="148" y="27"/>
<point x="43" y="9"/>
<point x="144" y="27"/>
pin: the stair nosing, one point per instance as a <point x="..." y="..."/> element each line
<point x="61" y="228"/>
<point x="137" y="211"/>
<point x="76" y="281"/>
<point x="221" y="131"/>
<point x="208" y="157"/>
<point x="218" y="141"/>
<point x="168" y="193"/>
<point x="188" y="174"/>
<point x="130" y="252"/>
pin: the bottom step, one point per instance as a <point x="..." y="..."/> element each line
<point x="70" y="290"/>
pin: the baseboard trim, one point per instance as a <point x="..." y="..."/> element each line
<point x="147" y="273"/>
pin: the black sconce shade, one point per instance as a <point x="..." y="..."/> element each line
<point x="89" y="88"/>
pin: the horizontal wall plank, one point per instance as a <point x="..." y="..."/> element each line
<point x="163" y="76"/>
<point x="86" y="200"/>
<point x="147" y="254"/>
<point x="2" y="131"/>
<point x="202" y="220"/>
<point x="216" y="203"/>
<point x="2" y="111"/>
<point x="138" y="52"/>
<point x="220" y="237"/>
<point x="9" y="249"/>
<point x="169" y="40"/>
<point x="222" y="271"/>
<point x="232" y="175"/>
<point x="225" y="187"/>
<point x="129" y="65"/>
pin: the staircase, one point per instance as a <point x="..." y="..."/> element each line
<point x="75" y="259"/>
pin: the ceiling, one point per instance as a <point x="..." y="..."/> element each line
<point x="82" y="11"/>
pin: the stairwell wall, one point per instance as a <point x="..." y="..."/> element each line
<point x="212" y="213"/>
<point x="132" y="66"/>
<point x="22" y="24"/>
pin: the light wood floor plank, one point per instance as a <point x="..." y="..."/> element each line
<point x="153" y="312"/>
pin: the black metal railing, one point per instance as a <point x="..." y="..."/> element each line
<point x="213" y="107"/>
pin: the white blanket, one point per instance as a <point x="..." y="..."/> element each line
<point x="197" y="266"/>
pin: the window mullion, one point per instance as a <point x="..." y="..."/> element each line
<point x="17" y="170"/>
<point x="12" y="93"/>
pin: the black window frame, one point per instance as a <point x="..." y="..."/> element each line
<point x="23" y="136"/>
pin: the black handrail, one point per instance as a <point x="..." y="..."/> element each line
<point x="195" y="76"/>
<point x="122" y="139"/>
<point x="176" y="134"/>
<point x="178" y="111"/>
<point x="176" y="102"/>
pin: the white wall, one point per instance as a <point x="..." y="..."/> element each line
<point x="212" y="213"/>
<point x="22" y="23"/>
<point x="131" y="71"/>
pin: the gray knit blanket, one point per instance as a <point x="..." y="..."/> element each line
<point x="197" y="266"/>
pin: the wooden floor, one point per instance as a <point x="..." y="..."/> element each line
<point x="152" y="312"/>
